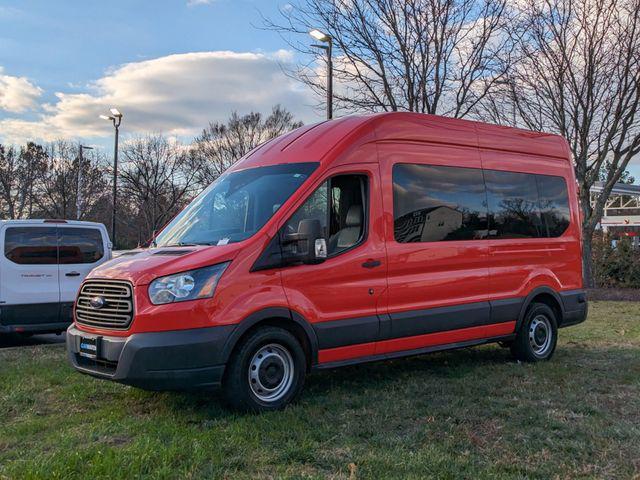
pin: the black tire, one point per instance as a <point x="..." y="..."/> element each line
<point x="267" y="354"/>
<point x="538" y="335"/>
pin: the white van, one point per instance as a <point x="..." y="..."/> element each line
<point x="42" y="264"/>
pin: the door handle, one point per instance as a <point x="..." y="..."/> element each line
<point x="372" y="263"/>
<point x="72" y="274"/>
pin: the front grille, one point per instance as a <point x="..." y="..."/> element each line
<point x="117" y="311"/>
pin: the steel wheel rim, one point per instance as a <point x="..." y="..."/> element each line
<point x="540" y="335"/>
<point x="271" y="372"/>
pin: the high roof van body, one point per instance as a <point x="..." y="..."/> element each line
<point x="353" y="240"/>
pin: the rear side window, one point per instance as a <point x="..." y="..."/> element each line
<point x="514" y="207"/>
<point x="31" y="245"/>
<point x="554" y="204"/>
<point x="435" y="203"/>
<point x="80" y="245"/>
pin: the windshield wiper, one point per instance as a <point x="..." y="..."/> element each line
<point x="181" y="244"/>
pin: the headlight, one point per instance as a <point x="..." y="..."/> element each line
<point x="191" y="285"/>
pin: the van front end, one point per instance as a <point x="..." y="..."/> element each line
<point x="177" y="360"/>
<point x="176" y="316"/>
<point x="120" y="332"/>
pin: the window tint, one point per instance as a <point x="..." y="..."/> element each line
<point x="554" y="204"/>
<point x="514" y="209"/>
<point x="339" y="207"/>
<point x="434" y="203"/>
<point x="31" y="245"/>
<point x="80" y="245"/>
<point x="315" y="208"/>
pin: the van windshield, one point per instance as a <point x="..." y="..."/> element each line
<point x="235" y="206"/>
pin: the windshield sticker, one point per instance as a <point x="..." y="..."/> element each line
<point x="223" y="241"/>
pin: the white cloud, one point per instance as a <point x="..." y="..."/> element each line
<point x="177" y="94"/>
<point x="17" y="94"/>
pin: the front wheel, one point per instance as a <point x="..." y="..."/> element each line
<point x="536" y="340"/>
<point x="266" y="371"/>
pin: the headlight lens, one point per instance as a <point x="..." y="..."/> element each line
<point x="191" y="285"/>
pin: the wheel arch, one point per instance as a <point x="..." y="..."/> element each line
<point x="546" y="295"/>
<point x="279" y="317"/>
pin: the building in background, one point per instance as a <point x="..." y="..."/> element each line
<point x="621" y="216"/>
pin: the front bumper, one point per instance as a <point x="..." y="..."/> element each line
<point x="174" y="360"/>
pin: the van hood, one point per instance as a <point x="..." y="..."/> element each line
<point x="141" y="267"/>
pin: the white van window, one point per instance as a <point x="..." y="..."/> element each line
<point x="80" y="245"/>
<point x="31" y="245"/>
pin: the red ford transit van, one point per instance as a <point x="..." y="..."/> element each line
<point x="358" y="239"/>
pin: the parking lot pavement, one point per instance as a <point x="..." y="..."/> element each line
<point x="16" y="340"/>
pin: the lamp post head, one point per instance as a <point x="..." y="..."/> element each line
<point x="320" y="36"/>
<point x="115" y="117"/>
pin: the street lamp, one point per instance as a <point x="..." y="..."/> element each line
<point x="116" y="119"/>
<point x="79" y="192"/>
<point x="326" y="38"/>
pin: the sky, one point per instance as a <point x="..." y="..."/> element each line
<point x="170" y="66"/>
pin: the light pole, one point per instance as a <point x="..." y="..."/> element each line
<point x="79" y="192"/>
<point x="326" y="38"/>
<point x="116" y="119"/>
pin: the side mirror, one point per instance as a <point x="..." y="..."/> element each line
<point x="307" y="245"/>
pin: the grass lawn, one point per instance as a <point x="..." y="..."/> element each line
<point x="471" y="413"/>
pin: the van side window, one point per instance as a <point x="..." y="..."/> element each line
<point x="80" y="245"/>
<point x="514" y="208"/>
<point x="31" y="245"/>
<point x="554" y="204"/>
<point x="339" y="204"/>
<point x="435" y="203"/>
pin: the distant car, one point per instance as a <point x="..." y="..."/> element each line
<point x="42" y="265"/>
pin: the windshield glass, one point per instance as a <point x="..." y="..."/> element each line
<point x="235" y="206"/>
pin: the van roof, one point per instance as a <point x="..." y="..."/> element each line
<point x="323" y="141"/>
<point x="37" y="221"/>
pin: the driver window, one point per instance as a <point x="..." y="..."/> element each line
<point x="338" y="204"/>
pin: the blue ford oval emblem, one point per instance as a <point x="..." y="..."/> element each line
<point x="97" y="302"/>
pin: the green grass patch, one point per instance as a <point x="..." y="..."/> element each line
<point x="472" y="413"/>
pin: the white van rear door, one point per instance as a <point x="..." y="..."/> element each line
<point x="81" y="249"/>
<point x="29" y="274"/>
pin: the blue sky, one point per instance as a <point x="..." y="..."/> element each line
<point x="171" y="66"/>
<point x="73" y="41"/>
<point x="64" y="62"/>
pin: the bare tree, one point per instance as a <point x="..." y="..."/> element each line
<point x="220" y="145"/>
<point x="578" y="74"/>
<point x="55" y="186"/>
<point x="429" y="56"/>
<point x="18" y="172"/>
<point x="157" y="180"/>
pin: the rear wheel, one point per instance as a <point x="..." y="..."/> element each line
<point x="266" y="371"/>
<point x="538" y="335"/>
